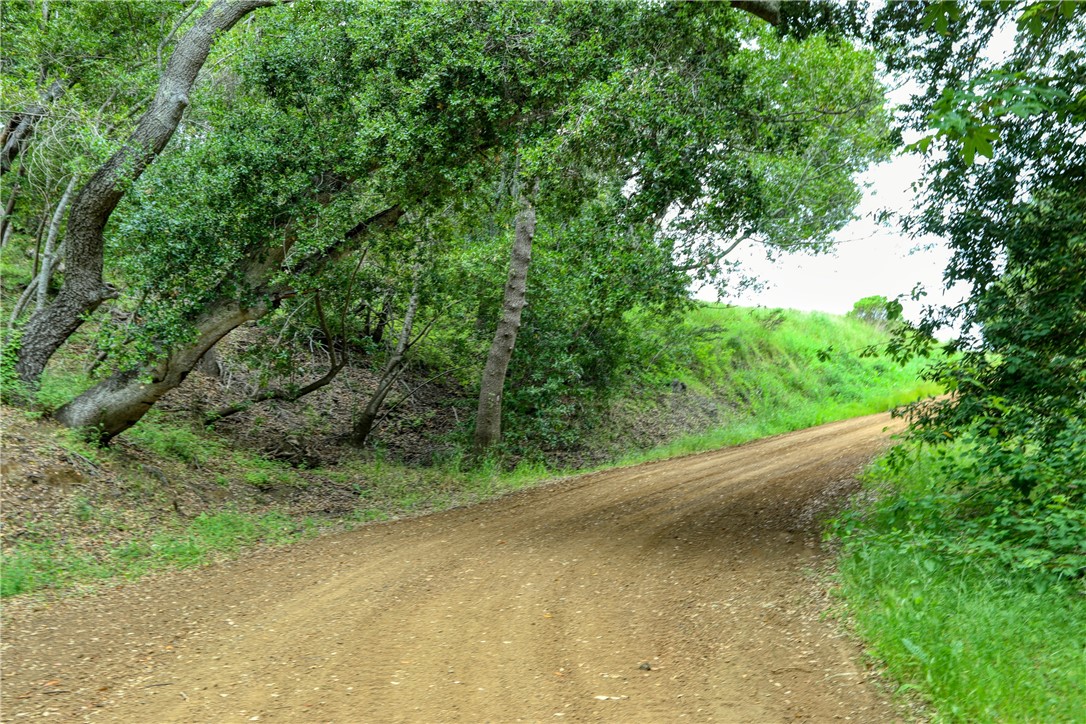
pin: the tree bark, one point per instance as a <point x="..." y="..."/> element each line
<point x="118" y="402"/>
<point x="363" y="426"/>
<point x="488" y="420"/>
<point x="767" y="10"/>
<point x="84" y="288"/>
<point x="9" y="208"/>
<point x="50" y="256"/>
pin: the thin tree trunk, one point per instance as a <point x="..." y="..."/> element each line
<point x="488" y="420"/>
<point x="84" y="288"/>
<point x="46" y="214"/>
<point x="9" y="208"/>
<point x="50" y="255"/>
<point x="335" y="364"/>
<point x="21" y="304"/>
<point x="364" y="424"/>
<point x="20" y="126"/>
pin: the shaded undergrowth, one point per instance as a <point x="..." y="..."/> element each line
<point x="171" y="494"/>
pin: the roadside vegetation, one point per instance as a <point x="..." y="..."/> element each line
<point x="171" y="493"/>
<point x="964" y="564"/>
<point x="974" y="604"/>
<point x="269" y="268"/>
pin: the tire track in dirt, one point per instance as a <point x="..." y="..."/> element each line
<point x="539" y="606"/>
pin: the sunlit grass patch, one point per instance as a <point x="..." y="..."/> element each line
<point x="207" y="537"/>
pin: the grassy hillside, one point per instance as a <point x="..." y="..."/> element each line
<point x="171" y="493"/>
<point x="733" y="374"/>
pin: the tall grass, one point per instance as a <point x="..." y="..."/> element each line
<point x="981" y="642"/>
<point x="773" y="371"/>
<point x="798" y="416"/>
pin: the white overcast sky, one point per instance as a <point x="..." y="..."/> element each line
<point x="869" y="258"/>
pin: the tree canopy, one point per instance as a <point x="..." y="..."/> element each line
<point x="328" y="141"/>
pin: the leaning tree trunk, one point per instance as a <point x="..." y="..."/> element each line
<point x="363" y="426"/>
<point x="50" y="256"/>
<point x="118" y="402"/>
<point x="9" y="208"/>
<point x="84" y="289"/>
<point x="488" y="420"/>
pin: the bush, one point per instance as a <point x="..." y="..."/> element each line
<point x="878" y="311"/>
<point x="956" y="502"/>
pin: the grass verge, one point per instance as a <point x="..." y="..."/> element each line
<point x="979" y="641"/>
<point x="210" y="536"/>
<point x="800" y="415"/>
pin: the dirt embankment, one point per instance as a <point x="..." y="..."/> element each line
<point x="670" y="591"/>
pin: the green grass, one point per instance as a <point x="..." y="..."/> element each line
<point x="210" y="536"/>
<point x="774" y="371"/>
<point x="978" y="641"/>
<point x="797" y="417"/>
<point x="178" y="443"/>
<point x="388" y="490"/>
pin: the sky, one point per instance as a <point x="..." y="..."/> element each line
<point x="869" y="258"/>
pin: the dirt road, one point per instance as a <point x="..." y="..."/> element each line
<point x="670" y="591"/>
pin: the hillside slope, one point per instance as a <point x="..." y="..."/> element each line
<point x="171" y="493"/>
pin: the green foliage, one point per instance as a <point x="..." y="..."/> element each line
<point x="625" y="114"/>
<point x="769" y="369"/>
<point x="767" y="358"/>
<point x="576" y="334"/>
<point x="966" y="115"/>
<point x="953" y="502"/>
<point x="1011" y="493"/>
<point x="877" y="310"/>
<point x="59" y="387"/>
<point x="969" y="600"/>
<point x="12" y="389"/>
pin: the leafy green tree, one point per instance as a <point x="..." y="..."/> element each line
<point x="84" y="287"/>
<point x="405" y="114"/>
<point x="1003" y="185"/>
<point x="876" y="310"/>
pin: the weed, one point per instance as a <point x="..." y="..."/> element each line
<point x="82" y="509"/>
<point x="74" y="443"/>
<point x="369" y="515"/>
<point x="178" y="443"/>
<point x="59" y="388"/>
<point x="259" y="479"/>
